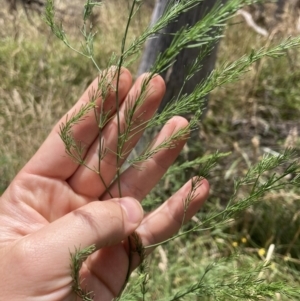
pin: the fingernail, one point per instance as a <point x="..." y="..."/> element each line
<point x="133" y="209"/>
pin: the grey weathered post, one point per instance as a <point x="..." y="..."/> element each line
<point x="174" y="76"/>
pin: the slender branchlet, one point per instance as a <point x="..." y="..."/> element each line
<point x="195" y="184"/>
<point x="204" y="164"/>
<point x="257" y="190"/>
<point x="58" y="29"/>
<point x="143" y="269"/>
<point x="227" y="73"/>
<point x="136" y="248"/>
<point x="134" y="123"/>
<point x="168" y="143"/>
<point x="122" y="138"/>
<point x="74" y="148"/>
<point x="77" y="258"/>
<point x="241" y="284"/>
<point x="88" y="9"/>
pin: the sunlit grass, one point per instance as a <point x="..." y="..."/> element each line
<point x="41" y="78"/>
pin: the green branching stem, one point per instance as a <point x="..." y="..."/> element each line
<point x="260" y="178"/>
<point x="209" y="161"/>
<point x="235" y="206"/>
<point x="120" y="64"/>
<point x="168" y="143"/>
<point x="227" y="73"/>
<point x="119" y="149"/>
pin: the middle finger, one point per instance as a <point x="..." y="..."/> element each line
<point x="92" y="181"/>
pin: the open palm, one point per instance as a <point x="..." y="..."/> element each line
<point x="52" y="207"/>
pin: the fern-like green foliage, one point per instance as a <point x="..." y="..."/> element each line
<point x="270" y="174"/>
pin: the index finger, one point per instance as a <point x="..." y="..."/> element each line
<point x="51" y="159"/>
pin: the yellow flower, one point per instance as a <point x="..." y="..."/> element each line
<point x="235" y="244"/>
<point x="261" y="252"/>
<point x="244" y="240"/>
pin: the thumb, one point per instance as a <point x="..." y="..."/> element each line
<point x="98" y="223"/>
<point x="43" y="257"/>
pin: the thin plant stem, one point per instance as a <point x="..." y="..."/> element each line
<point x="117" y="93"/>
<point x="119" y="150"/>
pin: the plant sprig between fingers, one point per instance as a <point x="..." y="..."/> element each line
<point x="190" y="36"/>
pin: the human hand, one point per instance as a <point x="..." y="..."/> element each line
<point x="52" y="207"/>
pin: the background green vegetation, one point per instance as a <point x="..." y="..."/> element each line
<point x="41" y="79"/>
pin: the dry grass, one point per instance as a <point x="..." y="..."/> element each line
<point x="259" y="113"/>
<point x="41" y="78"/>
